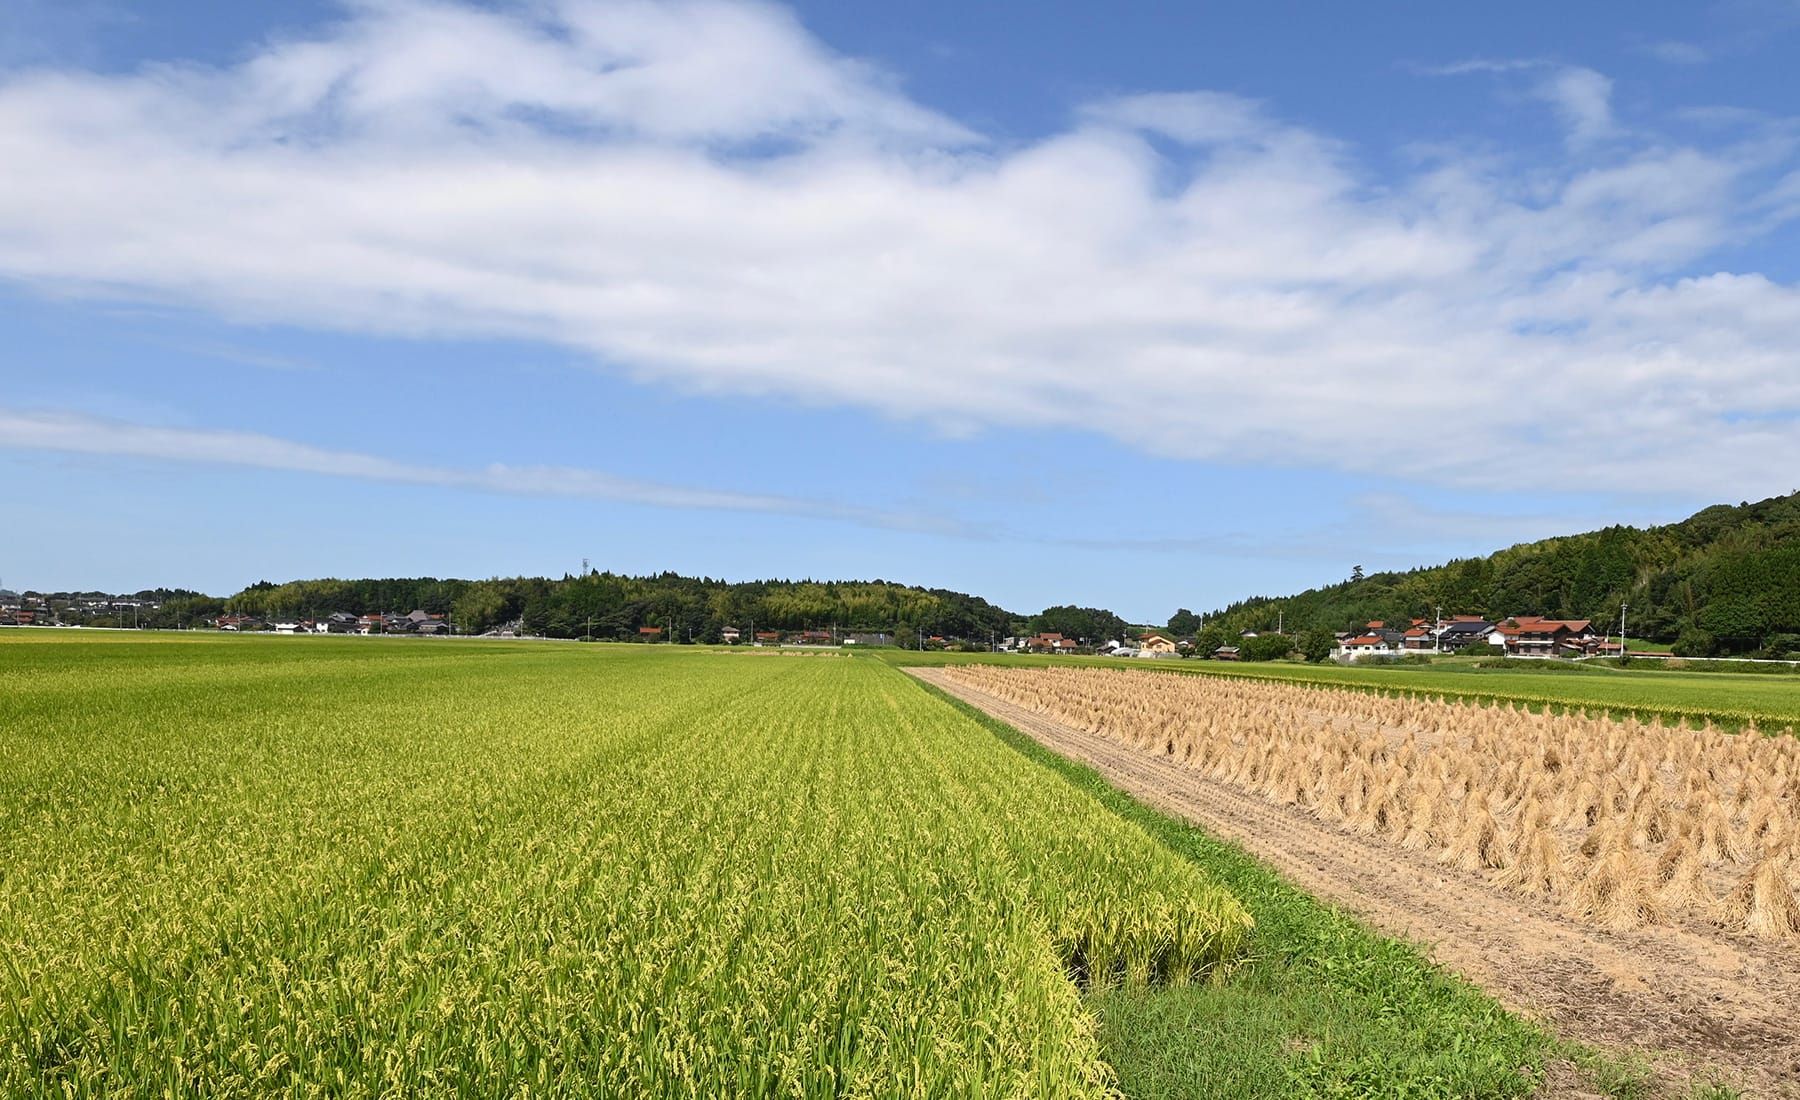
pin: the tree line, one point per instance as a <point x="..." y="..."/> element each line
<point x="610" y="605"/>
<point x="1725" y="581"/>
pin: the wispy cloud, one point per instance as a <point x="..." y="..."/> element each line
<point x="1676" y="52"/>
<point x="1581" y="97"/>
<point x="76" y="433"/>
<point x="700" y="193"/>
<point x="1382" y="530"/>
<point x="246" y="356"/>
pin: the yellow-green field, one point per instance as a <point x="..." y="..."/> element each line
<point x="358" y="867"/>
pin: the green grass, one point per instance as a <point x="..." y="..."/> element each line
<point x="1325" y="1007"/>
<point x="361" y="867"/>
<point x="1730" y="699"/>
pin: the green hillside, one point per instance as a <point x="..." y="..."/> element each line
<point x="1724" y="580"/>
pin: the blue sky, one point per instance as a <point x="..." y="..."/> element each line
<point x="1137" y="305"/>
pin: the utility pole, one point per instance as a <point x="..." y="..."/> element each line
<point x="1280" y="622"/>
<point x="1437" y="635"/>
<point x="1622" y="606"/>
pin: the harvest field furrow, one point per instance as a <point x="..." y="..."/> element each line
<point x="1633" y="882"/>
<point x="367" y="869"/>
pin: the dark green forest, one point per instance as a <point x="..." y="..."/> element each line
<point x="1726" y="580"/>
<point x="609" y="605"/>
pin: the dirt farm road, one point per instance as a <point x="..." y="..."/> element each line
<point x="1689" y="996"/>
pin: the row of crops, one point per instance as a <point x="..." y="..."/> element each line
<point x="244" y="867"/>
<point x="1620" y="823"/>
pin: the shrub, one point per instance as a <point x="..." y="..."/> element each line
<point x="1265" y="647"/>
<point x="1694" y="642"/>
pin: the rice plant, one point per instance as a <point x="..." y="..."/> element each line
<point x="246" y="867"/>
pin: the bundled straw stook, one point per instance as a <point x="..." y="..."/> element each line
<point x="1620" y="823"/>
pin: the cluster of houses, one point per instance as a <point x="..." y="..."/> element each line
<point x="342" y="622"/>
<point x="38" y="610"/>
<point x="1518" y="636"/>
<point x="1150" y="644"/>
<point x="731" y="635"/>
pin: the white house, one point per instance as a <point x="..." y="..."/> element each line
<point x="1365" y="645"/>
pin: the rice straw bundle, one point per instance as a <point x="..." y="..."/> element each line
<point x="1539" y="865"/>
<point x="1615" y="893"/>
<point x="1762" y="903"/>
<point x="1680" y="881"/>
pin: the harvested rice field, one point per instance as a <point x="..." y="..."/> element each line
<point x="1631" y="883"/>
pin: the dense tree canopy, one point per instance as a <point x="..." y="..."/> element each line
<point x="610" y="605"/>
<point x="1726" y="578"/>
<point x="1088" y="624"/>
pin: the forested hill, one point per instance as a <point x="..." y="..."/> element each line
<point x="615" y="606"/>
<point x="1726" y="579"/>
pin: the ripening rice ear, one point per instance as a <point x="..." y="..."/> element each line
<point x="1762" y="904"/>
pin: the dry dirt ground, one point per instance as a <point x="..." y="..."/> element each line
<point x="1692" y="999"/>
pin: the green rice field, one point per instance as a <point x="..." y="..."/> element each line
<point x="362" y="867"/>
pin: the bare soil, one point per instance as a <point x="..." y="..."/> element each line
<point x="1697" y="1002"/>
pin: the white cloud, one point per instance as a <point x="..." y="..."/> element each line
<point x="704" y="196"/>
<point x="76" y="433"/>
<point x="1583" y="99"/>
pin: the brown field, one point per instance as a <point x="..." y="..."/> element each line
<point x="1631" y="883"/>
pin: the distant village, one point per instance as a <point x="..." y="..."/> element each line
<point x="1517" y="636"/>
